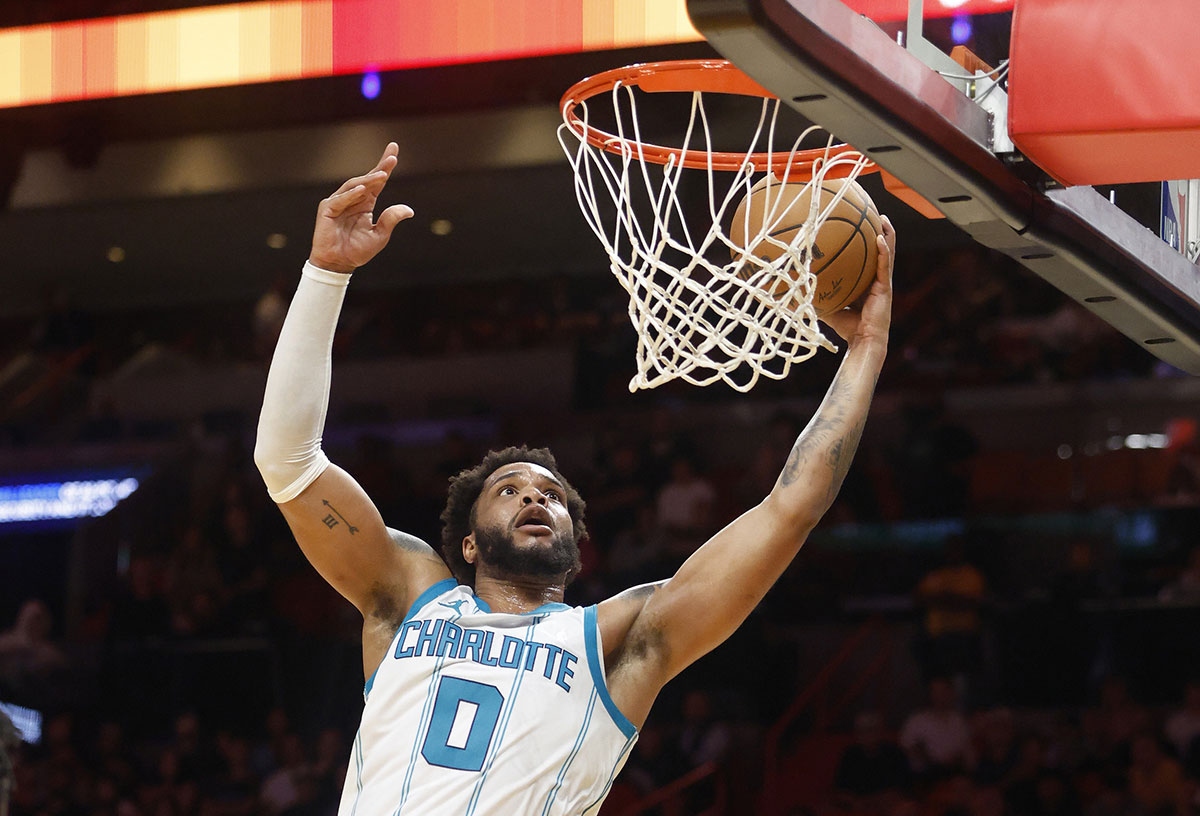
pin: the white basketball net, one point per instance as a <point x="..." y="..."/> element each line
<point x="702" y="314"/>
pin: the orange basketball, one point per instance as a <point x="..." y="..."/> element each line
<point x="844" y="254"/>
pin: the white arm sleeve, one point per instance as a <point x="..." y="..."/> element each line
<point x="288" y="449"/>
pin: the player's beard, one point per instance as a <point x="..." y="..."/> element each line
<point x="499" y="550"/>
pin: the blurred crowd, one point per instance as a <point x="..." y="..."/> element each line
<point x="1114" y="758"/>
<point x="213" y="672"/>
<point x="961" y="318"/>
<point x="198" y="665"/>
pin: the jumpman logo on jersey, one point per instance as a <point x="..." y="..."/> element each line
<point x="455" y="605"/>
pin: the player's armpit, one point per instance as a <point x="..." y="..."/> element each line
<point x="632" y="650"/>
<point x="616" y="615"/>
<point x="343" y="536"/>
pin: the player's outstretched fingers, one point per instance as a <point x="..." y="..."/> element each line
<point x="886" y="243"/>
<point x="373" y="180"/>
<point x="337" y="203"/>
<point x="387" y="161"/>
<point x="378" y="176"/>
<point x="393" y="215"/>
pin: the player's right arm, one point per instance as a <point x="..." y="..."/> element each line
<point x="335" y="523"/>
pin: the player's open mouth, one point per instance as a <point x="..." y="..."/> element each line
<point x="533" y="519"/>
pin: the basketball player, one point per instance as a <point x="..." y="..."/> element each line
<point x="485" y="693"/>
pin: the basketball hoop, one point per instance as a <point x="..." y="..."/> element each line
<point x="704" y="307"/>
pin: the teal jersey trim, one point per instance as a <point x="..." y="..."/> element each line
<point x="441" y="587"/>
<point x="592" y="644"/>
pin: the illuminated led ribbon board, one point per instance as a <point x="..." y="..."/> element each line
<point x="274" y="40"/>
<point x="59" y="501"/>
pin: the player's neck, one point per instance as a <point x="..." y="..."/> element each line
<point x="509" y="594"/>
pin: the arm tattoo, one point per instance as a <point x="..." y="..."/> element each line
<point x="829" y="439"/>
<point x="643" y="591"/>
<point x="412" y="544"/>
<point x="334" y="518"/>
<point x="408" y="543"/>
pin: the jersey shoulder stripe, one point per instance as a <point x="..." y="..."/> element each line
<point x="596" y="666"/>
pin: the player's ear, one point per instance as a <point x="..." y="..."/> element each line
<point x="469" y="550"/>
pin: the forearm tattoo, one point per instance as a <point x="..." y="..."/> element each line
<point x="831" y="438"/>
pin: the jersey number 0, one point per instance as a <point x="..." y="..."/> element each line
<point x="464" y="719"/>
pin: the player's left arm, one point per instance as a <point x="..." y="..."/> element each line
<point x="722" y="582"/>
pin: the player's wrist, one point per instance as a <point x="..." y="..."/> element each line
<point x="328" y="265"/>
<point x="331" y="274"/>
<point x="871" y="345"/>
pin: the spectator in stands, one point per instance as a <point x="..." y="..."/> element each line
<point x="703" y="737"/>
<point x="290" y="786"/>
<point x="241" y="564"/>
<point x="872" y="767"/>
<point x="1156" y="780"/>
<point x="1071" y="640"/>
<point x="996" y="738"/>
<point x="685" y="506"/>
<point x="988" y="802"/>
<point x="1066" y="748"/>
<point x="637" y="554"/>
<point x="951" y="596"/>
<point x="1099" y="794"/>
<point x="111" y="755"/>
<point x="952" y="795"/>
<point x="31" y="666"/>
<point x="937" y="739"/>
<point x="1054" y="796"/>
<point x="652" y="763"/>
<point x="234" y="790"/>
<point x="329" y="770"/>
<point x="1186" y="586"/>
<point x="1110" y="727"/>
<point x="1183" y="480"/>
<point x="1183" y="726"/>
<point x="1021" y="784"/>
<point x="267" y="752"/>
<point x="770" y="456"/>
<point x="140" y="611"/>
<point x="620" y="492"/>
<point x="196" y="758"/>
<point x="934" y="461"/>
<point x="193" y="583"/>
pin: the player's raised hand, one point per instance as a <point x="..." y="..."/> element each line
<point x="347" y="235"/>
<point x="873" y="317"/>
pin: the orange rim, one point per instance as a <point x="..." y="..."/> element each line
<point x="686" y="76"/>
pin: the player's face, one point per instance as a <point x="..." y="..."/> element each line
<point x="522" y="525"/>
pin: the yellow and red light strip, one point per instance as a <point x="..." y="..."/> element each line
<point x="273" y="40"/>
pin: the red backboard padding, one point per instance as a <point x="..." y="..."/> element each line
<point x="1106" y="91"/>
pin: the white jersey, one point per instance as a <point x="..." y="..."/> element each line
<point x="479" y="713"/>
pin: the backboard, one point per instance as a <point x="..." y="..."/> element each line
<point x="842" y="71"/>
<point x="1179" y="222"/>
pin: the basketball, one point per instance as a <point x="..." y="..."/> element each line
<point x="844" y="252"/>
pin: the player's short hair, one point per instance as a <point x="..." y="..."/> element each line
<point x="458" y="519"/>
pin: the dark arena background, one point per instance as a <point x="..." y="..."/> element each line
<point x="998" y="616"/>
